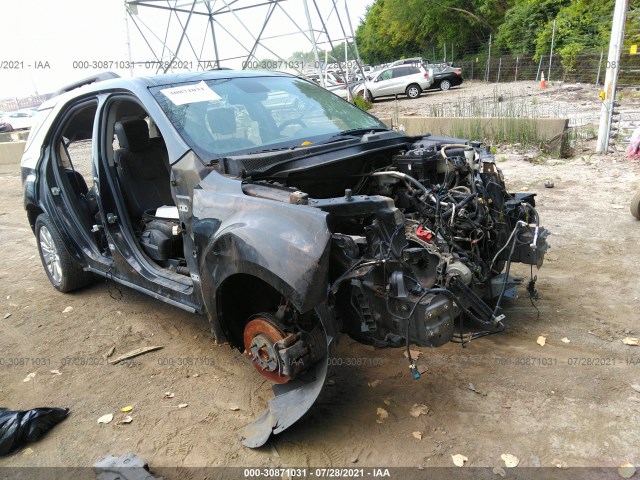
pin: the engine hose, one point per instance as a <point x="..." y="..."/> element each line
<point x="443" y="150"/>
<point x="183" y="270"/>
<point x="402" y="176"/>
<point x="458" y="206"/>
<point x="479" y="216"/>
<point x="518" y="224"/>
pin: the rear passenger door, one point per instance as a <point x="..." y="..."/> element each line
<point x="70" y="175"/>
<point x="400" y="79"/>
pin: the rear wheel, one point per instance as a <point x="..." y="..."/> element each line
<point x="445" y="85"/>
<point x="635" y="205"/>
<point x="8" y="128"/>
<point x="64" y="272"/>
<point x="413" y="91"/>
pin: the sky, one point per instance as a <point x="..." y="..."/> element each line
<point x="48" y="44"/>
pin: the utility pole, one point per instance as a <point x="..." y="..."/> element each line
<point x="553" y="38"/>
<point x="126" y="24"/>
<point x="354" y="42"/>
<point x="312" y="35"/>
<point x="346" y="65"/>
<point x="599" y="68"/>
<point x="611" y="77"/>
<point x="486" y="77"/>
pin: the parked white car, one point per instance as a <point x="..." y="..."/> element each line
<point x="331" y="83"/>
<point x="16" y="120"/>
<point x="406" y="80"/>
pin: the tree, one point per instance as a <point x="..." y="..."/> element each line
<point x="523" y="23"/>
<point x="395" y="28"/>
<point x="582" y="26"/>
<point x="632" y="28"/>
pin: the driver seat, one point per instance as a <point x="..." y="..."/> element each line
<point x="142" y="168"/>
<point x="222" y="122"/>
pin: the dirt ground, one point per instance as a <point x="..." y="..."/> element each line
<point x="561" y="404"/>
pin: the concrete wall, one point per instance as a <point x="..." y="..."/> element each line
<point x="11" y="153"/>
<point x="14" y="136"/>
<point x="551" y="133"/>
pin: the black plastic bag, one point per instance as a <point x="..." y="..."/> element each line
<point x="19" y="427"/>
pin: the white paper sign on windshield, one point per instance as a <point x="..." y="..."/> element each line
<point x="191" y="94"/>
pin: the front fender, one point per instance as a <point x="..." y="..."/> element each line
<point x="283" y="244"/>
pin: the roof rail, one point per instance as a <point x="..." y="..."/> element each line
<point x="100" y="77"/>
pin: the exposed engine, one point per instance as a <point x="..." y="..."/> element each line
<point x="435" y="253"/>
<point x="422" y="244"/>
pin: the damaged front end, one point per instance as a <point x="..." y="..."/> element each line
<point x="423" y="233"/>
<point x="438" y="253"/>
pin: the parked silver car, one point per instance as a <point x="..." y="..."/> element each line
<point x="22" y="119"/>
<point x="409" y="80"/>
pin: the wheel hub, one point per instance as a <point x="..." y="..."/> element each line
<point x="261" y="335"/>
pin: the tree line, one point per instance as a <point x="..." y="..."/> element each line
<point x="459" y="29"/>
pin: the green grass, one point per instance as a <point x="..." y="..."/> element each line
<point x="361" y="103"/>
<point x="515" y="114"/>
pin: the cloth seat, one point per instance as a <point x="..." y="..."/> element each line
<point x="142" y="168"/>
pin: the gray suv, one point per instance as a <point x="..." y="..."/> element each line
<point x="280" y="213"/>
<point x="409" y="80"/>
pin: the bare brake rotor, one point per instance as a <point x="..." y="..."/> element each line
<point x="294" y="398"/>
<point x="262" y="340"/>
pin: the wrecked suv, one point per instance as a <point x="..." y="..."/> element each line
<point x="281" y="212"/>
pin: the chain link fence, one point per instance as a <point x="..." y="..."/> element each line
<point x="585" y="68"/>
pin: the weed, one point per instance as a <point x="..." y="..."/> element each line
<point x="361" y="103"/>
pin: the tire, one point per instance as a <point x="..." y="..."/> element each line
<point x="9" y="128"/>
<point x="64" y="272"/>
<point x="635" y="205"/>
<point x="367" y="96"/>
<point x="413" y="91"/>
<point x="445" y="85"/>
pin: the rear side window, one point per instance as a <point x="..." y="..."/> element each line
<point x="401" y="72"/>
<point x="74" y="146"/>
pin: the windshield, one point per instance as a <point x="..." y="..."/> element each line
<point x="244" y="115"/>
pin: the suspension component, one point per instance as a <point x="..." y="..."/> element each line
<point x="278" y="355"/>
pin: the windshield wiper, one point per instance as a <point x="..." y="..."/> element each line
<point x="269" y="150"/>
<point x="355" y="133"/>
<point x="361" y="131"/>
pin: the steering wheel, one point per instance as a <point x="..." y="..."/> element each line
<point x="291" y="121"/>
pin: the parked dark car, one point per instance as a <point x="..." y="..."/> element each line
<point x="445" y="76"/>
<point x="278" y="211"/>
